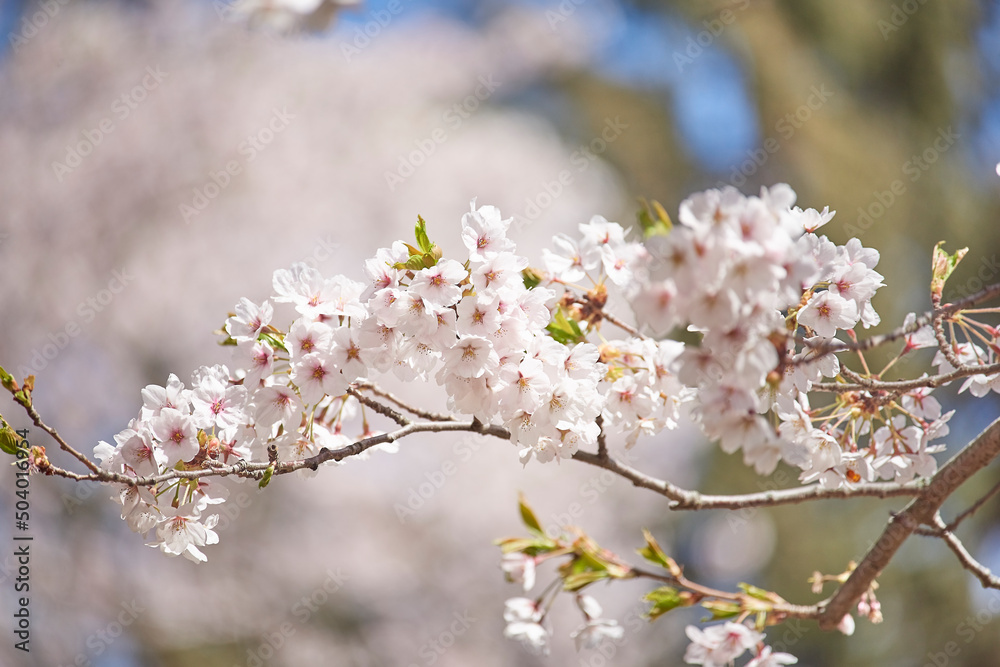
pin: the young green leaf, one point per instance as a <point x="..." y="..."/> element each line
<point x="531" y="278"/>
<point x="942" y="265"/>
<point x="9" y="439"/>
<point x="654" y="554"/>
<point x="529" y="545"/>
<point x="8" y="381"/>
<point x="578" y="580"/>
<point x="564" y="329"/>
<point x="266" y="479"/>
<point x="653" y="219"/>
<point x="529" y="518"/>
<point x="421" y="233"/>
<point x="721" y="609"/>
<point x="664" y="599"/>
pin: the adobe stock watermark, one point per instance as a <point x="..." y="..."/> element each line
<point x="900" y="14"/>
<point x="434" y="480"/>
<point x="101" y="640"/>
<point x="366" y="33"/>
<point x="323" y="251"/>
<point x="580" y="160"/>
<point x="589" y="492"/>
<point x="785" y="128"/>
<point x="424" y="148"/>
<point x="561" y="14"/>
<point x="432" y="649"/>
<point x="31" y="25"/>
<point x="913" y="168"/>
<point x="699" y="42"/>
<point x="121" y="109"/>
<point x="966" y="630"/>
<point x="738" y="519"/>
<point x="249" y="148"/>
<point x="302" y="610"/>
<point x="988" y="269"/>
<point x="87" y="311"/>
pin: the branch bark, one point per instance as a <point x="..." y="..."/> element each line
<point x="921" y="510"/>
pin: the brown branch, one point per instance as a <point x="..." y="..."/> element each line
<point x="867" y="384"/>
<point x="983" y="573"/>
<point x="255" y="469"/>
<point x="985" y="294"/>
<point x="381" y="409"/>
<point x="637" y="478"/>
<point x="632" y="331"/>
<point x="65" y="446"/>
<point x="942" y="340"/>
<point x="684" y="499"/>
<point x="784" y="609"/>
<point x="974" y="457"/>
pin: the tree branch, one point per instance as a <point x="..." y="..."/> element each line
<point x="255" y="469"/>
<point x="983" y="573"/>
<point x="65" y="446"/>
<point x="383" y="410"/>
<point x="833" y="346"/>
<point x="868" y="384"/>
<point x="684" y="499"/>
<point x="974" y="457"/>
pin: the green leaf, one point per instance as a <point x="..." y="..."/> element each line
<point x="531" y="278"/>
<point x="577" y="580"/>
<point x="421" y="233"/>
<point x="9" y="439"/>
<point x="653" y="219"/>
<point x="23" y="397"/>
<point x="266" y="479"/>
<point x="273" y="341"/>
<point x="942" y="266"/>
<point x="529" y="518"/>
<point x="8" y="381"/>
<point x="721" y="609"/>
<point x="529" y="545"/>
<point x="564" y="329"/>
<point x="760" y="593"/>
<point x="654" y="554"/>
<point x="664" y="599"/>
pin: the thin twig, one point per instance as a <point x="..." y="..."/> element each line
<point x="423" y="414"/>
<point x="254" y="469"/>
<point x="383" y="410"/>
<point x="829" y="346"/>
<point x="983" y="573"/>
<point x="684" y="499"/>
<point x="921" y="510"/>
<point x="37" y="419"/>
<point x="905" y="385"/>
<point x="974" y="507"/>
<point x="782" y="608"/>
<point x="627" y="328"/>
<point x="602" y="439"/>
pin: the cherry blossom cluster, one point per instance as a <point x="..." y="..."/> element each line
<point x="524" y="349"/>
<point x="173" y="430"/>
<point x="765" y="294"/>
<point x="479" y="328"/>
